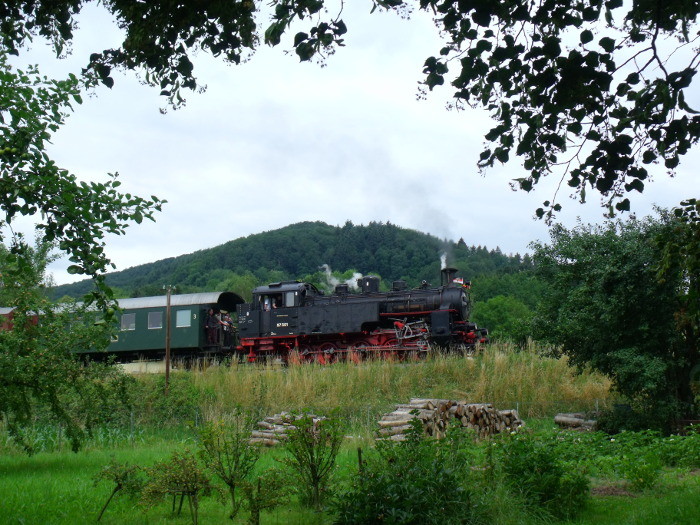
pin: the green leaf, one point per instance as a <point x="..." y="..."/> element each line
<point x="636" y="184"/>
<point x="482" y="18"/>
<point x="586" y="36"/>
<point x="299" y="38"/>
<point x="305" y="51"/>
<point x="607" y="43"/>
<point x="648" y="157"/>
<point x="623" y="205"/>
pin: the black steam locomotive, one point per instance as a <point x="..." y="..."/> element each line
<point x="295" y="321"/>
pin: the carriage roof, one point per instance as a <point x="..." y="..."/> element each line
<point x="225" y="300"/>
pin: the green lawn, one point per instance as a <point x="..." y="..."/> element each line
<point x="58" y="488"/>
<point x="674" y="502"/>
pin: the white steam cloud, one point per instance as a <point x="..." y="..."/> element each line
<point x="334" y="281"/>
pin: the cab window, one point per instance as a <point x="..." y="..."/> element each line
<point x="289" y="299"/>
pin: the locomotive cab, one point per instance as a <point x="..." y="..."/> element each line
<point x="274" y="310"/>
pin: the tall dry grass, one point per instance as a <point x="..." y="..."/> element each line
<point x="501" y="374"/>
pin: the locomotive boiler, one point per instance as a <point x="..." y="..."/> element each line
<point x="294" y="320"/>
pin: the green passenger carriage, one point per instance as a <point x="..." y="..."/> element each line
<point x="142" y="325"/>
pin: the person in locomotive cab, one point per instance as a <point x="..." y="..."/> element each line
<point x="227" y="327"/>
<point x="266" y="303"/>
<point x="211" y="325"/>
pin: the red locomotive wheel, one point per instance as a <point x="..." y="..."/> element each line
<point x="306" y="354"/>
<point x="358" y="351"/>
<point x="327" y="353"/>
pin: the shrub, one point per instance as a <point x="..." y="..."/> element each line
<point x="625" y="417"/>
<point x="411" y="482"/>
<point x="226" y="451"/>
<point x="313" y="446"/>
<point x="128" y="479"/>
<point x="268" y="492"/>
<point x="180" y="476"/>
<point x="641" y="471"/>
<point x="531" y="467"/>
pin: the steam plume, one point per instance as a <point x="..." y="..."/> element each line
<point x="334" y="281"/>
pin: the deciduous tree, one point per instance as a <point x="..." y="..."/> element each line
<point x="608" y="308"/>
<point x="39" y="368"/>
<point x="74" y="214"/>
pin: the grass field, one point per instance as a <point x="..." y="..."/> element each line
<point x="58" y="488"/>
<point x="500" y="374"/>
<point x="55" y="486"/>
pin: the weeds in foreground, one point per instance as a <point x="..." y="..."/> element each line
<point x="313" y="447"/>
<point x="127" y="479"/>
<point x="180" y="476"/>
<point x="270" y="490"/>
<point x="413" y="481"/>
<point x="527" y="465"/>
<point x="226" y="450"/>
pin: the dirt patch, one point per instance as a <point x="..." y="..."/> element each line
<point x="612" y="490"/>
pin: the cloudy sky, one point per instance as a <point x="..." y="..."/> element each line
<point x="274" y="142"/>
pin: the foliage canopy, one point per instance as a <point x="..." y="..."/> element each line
<point x="596" y="90"/>
<point x="74" y="214"/>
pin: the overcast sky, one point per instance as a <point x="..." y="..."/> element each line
<point x="274" y="142"/>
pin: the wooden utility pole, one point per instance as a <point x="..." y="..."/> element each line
<point x="167" y="337"/>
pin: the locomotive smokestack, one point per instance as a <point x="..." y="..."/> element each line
<point x="447" y="276"/>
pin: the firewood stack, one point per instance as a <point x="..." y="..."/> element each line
<point x="273" y="429"/>
<point x="575" y="421"/>
<point x="435" y="415"/>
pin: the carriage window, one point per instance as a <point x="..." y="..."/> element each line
<point x="155" y="320"/>
<point x="183" y="318"/>
<point x="289" y="300"/>
<point x="128" y="321"/>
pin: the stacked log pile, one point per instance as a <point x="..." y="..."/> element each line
<point x="575" y="421"/>
<point x="273" y="429"/>
<point x="435" y="415"/>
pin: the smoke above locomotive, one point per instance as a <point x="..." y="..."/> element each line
<point x="294" y="320"/>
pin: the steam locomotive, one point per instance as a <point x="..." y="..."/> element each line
<point x="296" y="321"/>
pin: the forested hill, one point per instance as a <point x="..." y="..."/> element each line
<point x="298" y="251"/>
